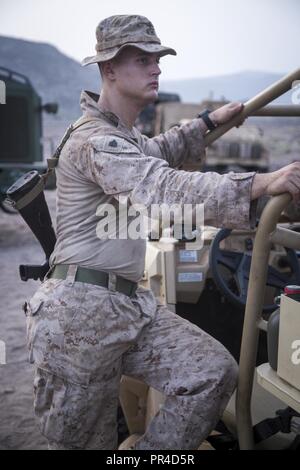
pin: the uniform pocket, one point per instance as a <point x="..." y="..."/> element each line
<point x="32" y="307"/>
<point x="63" y="367"/>
<point x="61" y="401"/>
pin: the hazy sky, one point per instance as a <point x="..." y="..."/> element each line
<point x="211" y="37"/>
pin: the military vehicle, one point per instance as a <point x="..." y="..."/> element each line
<point x="20" y="130"/>
<point x="208" y="285"/>
<point x="215" y="285"/>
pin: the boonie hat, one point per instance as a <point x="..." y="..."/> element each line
<point x="117" y="32"/>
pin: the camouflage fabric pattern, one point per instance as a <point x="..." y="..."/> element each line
<point x="119" y="31"/>
<point x="83" y="337"/>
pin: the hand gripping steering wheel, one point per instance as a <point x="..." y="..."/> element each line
<point x="239" y="266"/>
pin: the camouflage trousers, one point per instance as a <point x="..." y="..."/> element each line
<point x="82" y="338"/>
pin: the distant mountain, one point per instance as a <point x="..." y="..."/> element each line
<point x="55" y="76"/>
<point x="239" y="86"/>
<point x="59" y="78"/>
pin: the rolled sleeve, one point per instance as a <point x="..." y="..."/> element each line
<point x="179" y="145"/>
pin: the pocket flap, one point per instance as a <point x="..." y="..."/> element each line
<point x="32" y="307"/>
<point x="62" y="366"/>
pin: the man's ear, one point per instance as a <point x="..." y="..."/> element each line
<point x="108" y="70"/>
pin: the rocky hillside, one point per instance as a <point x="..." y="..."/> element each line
<point x="55" y="76"/>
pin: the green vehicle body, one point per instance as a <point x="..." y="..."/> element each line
<point x="20" y="129"/>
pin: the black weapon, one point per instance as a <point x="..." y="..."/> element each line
<point x="27" y="196"/>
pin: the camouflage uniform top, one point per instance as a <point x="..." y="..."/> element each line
<point x="103" y="160"/>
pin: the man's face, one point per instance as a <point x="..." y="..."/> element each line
<point x="137" y="75"/>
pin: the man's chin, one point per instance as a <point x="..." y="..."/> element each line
<point x="151" y="97"/>
<point x="148" y="98"/>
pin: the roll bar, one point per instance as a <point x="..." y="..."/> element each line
<point x="266" y="234"/>
<point x="278" y="111"/>
<point x="250" y="107"/>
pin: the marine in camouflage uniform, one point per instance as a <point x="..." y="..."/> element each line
<point x="82" y="337"/>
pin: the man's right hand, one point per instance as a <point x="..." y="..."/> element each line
<point x="285" y="180"/>
<point x="226" y="112"/>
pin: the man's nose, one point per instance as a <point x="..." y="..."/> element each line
<point x="156" y="70"/>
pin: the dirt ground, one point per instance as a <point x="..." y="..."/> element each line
<point x="18" y="427"/>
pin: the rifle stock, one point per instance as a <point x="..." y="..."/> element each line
<point x="28" y="198"/>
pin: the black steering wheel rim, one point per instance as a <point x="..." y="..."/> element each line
<point x="239" y="265"/>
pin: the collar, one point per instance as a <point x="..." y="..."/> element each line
<point x="90" y="107"/>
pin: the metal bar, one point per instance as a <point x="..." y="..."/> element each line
<point x="255" y="299"/>
<point x="259" y="101"/>
<point x="278" y="111"/>
<point x="285" y="237"/>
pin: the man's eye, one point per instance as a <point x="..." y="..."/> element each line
<point x="146" y="60"/>
<point x="143" y="60"/>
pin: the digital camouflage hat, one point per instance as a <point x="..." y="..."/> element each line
<point x="117" y="32"/>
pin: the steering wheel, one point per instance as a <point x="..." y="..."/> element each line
<point x="239" y="265"/>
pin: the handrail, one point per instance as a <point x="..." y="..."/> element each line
<point x="253" y="320"/>
<point x="262" y="99"/>
<point x="253" y="313"/>
<point x="286" y="238"/>
<point x="278" y="111"/>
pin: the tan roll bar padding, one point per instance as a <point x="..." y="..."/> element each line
<point x="262" y="99"/>
<point x="253" y="314"/>
<point x="284" y="237"/>
<point x="278" y="111"/>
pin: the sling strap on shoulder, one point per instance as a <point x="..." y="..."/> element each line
<point x="51" y="163"/>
